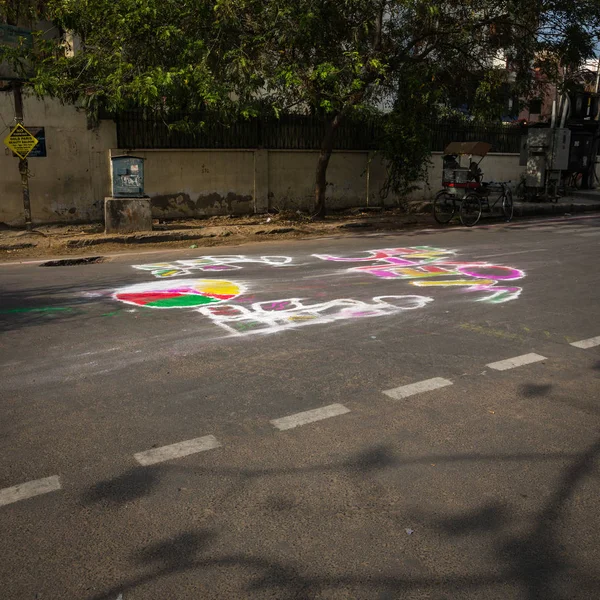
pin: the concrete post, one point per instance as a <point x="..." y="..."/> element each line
<point x="261" y="181"/>
<point x="23" y="166"/>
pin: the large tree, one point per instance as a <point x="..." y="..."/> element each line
<point x="336" y="57"/>
<point x="331" y="58"/>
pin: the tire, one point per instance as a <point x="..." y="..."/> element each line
<point x="507" y="205"/>
<point x="444" y="207"/>
<point x="470" y="210"/>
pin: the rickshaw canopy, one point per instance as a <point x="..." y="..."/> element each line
<point x="472" y="148"/>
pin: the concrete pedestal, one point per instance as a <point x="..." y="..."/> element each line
<point x="127" y="215"/>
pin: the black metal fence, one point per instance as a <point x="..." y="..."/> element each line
<point x="142" y="130"/>
<point x="503" y="138"/>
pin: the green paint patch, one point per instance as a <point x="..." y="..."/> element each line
<point x="243" y="326"/>
<point x="185" y="300"/>
<point x="45" y="309"/>
<point x="110" y="314"/>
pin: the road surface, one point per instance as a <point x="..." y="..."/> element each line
<point x="411" y="416"/>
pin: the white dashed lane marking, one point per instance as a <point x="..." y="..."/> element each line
<point x="589" y="343"/>
<point x="517" y="361"/>
<point x="157" y="455"/>
<point x="417" y="388"/>
<point x="38" y="487"/>
<point x="309" y="416"/>
<point x="29" y="490"/>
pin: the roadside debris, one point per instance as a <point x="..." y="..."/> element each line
<point x="70" y="262"/>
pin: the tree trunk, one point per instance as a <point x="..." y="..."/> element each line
<point x="322" y="164"/>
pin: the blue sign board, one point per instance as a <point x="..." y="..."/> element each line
<point x="39" y="150"/>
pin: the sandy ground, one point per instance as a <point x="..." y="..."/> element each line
<point x="58" y="240"/>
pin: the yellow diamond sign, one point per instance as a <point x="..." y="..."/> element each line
<point x="20" y="141"/>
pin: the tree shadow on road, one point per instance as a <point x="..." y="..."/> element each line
<point x="532" y="390"/>
<point x="135" y="483"/>
<point x="139" y="482"/>
<point x="532" y="560"/>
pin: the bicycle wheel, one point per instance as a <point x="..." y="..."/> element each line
<point x="444" y="207"/>
<point x="470" y="210"/>
<point x="507" y="205"/>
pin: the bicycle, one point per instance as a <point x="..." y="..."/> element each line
<point x="463" y="190"/>
<point x="471" y="206"/>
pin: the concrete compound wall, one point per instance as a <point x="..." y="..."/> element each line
<point x="72" y="182"/>
<point x="184" y="183"/>
<point x="292" y="179"/>
<point x="212" y="182"/>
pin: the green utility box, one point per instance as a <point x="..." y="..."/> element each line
<point x="127" y="176"/>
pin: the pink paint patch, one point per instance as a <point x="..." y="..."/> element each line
<point x="143" y="298"/>
<point x="510" y="273"/>
<point x="379" y="271"/>
<point x="218" y="268"/>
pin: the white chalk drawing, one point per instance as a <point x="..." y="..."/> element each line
<point x="211" y="264"/>
<point x="224" y="304"/>
<point x="290" y="313"/>
<point x="424" y="266"/>
<point x="210" y="297"/>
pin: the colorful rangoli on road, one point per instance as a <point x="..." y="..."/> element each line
<point x="219" y="300"/>
<point x="424" y="266"/>
<point x="179" y="293"/>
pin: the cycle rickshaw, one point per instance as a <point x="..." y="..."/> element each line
<point x="463" y="189"/>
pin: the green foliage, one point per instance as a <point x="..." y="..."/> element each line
<point x="160" y="54"/>
<point x="404" y="142"/>
<point x="404" y="145"/>
<point x="20" y="12"/>
<point x="490" y="101"/>
<point x="325" y="56"/>
<point x="332" y="58"/>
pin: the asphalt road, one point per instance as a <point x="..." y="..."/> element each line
<point x="291" y="427"/>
